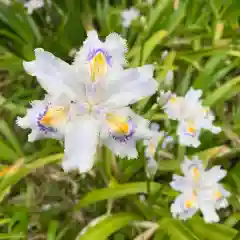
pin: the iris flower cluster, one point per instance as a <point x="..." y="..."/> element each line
<point x="87" y="104"/>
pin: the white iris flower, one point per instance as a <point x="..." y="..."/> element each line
<point x="129" y="15"/>
<point x="200" y="190"/>
<point x="192" y="117"/>
<point x="94" y="102"/>
<point x="32" y="5"/>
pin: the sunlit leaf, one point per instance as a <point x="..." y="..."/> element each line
<point x="108" y="225"/>
<point x="117" y="191"/>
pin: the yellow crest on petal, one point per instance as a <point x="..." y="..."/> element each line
<point x="173" y="99"/>
<point x="118" y="124"/>
<point x="98" y="66"/>
<point x="188" y="203"/>
<point x="196" y="172"/>
<point x="152" y="148"/>
<point x="190" y="128"/>
<point x="218" y="195"/>
<point x="53" y="116"/>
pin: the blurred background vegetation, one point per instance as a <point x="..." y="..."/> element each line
<point x="39" y="200"/>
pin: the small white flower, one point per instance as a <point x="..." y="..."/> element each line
<point x="151" y="145"/>
<point x="33" y="5"/>
<point x="200" y="190"/>
<point x="188" y="134"/>
<point x="97" y="109"/>
<point x="129" y="15"/>
<point x="192" y="117"/>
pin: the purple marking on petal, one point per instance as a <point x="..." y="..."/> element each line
<point x="190" y="134"/>
<point x="94" y="52"/>
<point x="125" y="138"/>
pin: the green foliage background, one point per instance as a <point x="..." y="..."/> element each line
<point x="39" y="200"/>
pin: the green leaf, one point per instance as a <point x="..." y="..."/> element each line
<point x="21" y="172"/>
<point x="177" y="230"/>
<point x="14" y="108"/>
<point x="14" y="19"/>
<point x="177" y="16"/>
<point x="52" y="230"/>
<point x="148" y="47"/>
<point x="205" y="155"/>
<point x="220" y="92"/>
<point x="12" y="236"/>
<point x="205" y="77"/>
<point x="212" y="231"/>
<point x="160" y="235"/>
<point x="44" y="161"/>
<point x="12" y="139"/>
<point x="169" y="165"/>
<point x="193" y="56"/>
<point x="232" y="220"/>
<point x="7" y="153"/>
<point x="9" y="34"/>
<point x="117" y="191"/>
<point x="107" y="225"/>
<point x="5" y="221"/>
<point x="210" y="153"/>
<point x="155" y="14"/>
<point x="10" y="62"/>
<point x="152" y="42"/>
